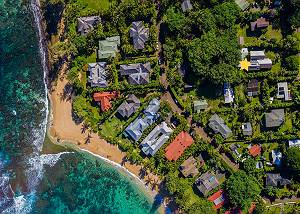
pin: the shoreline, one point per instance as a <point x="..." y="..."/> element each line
<point x="62" y="130"/>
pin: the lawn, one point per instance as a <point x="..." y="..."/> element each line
<point x="111" y="127"/>
<point x="99" y="5"/>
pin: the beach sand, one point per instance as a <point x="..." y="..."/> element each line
<point x="62" y="129"/>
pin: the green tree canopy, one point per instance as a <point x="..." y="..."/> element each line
<point x="249" y="165"/>
<point x="242" y="189"/>
<point x="175" y="21"/>
<point x="215" y="57"/>
<point x="293" y="160"/>
<point x="226" y="14"/>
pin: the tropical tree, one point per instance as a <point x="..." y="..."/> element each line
<point x="242" y="189"/>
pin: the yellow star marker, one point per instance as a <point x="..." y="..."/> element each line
<point x="245" y="64"/>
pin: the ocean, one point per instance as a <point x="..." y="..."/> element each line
<point x="32" y="181"/>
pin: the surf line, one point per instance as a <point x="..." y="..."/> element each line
<point x="119" y="166"/>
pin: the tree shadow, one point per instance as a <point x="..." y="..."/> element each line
<point x="67" y="93"/>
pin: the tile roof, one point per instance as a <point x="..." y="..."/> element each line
<point x="104" y="99"/>
<point x="255" y="150"/>
<point x="218" y="198"/>
<point x="139" y="34"/>
<point x="182" y="141"/>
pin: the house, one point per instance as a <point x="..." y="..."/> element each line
<point x="228" y="93"/>
<point x="218" y="125"/>
<point x="186" y="5"/>
<point x="241" y="40"/>
<point x="259" y="165"/>
<point x="189" y="167"/>
<point x="243" y="4"/>
<point x="152" y="108"/>
<point x="276" y="157"/>
<point x="255" y="150"/>
<point x="259" y="24"/>
<point x="247" y="129"/>
<point x="200" y="159"/>
<point x="244" y="53"/>
<point x="274" y="118"/>
<point x="87" y="24"/>
<point x="137" y="127"/>
<point x="294" y="143"/>
<point x="257" y="55"/>
<point x="97" y="74"/>
<point x="207" y="182"/>
<point x="139" y="34"/>
<point x="265" y="63"/>
<point x="182" y="141"/>
<point x="104" y="98"/>
<point x="156" y="138"/>
<point x="254" y="66"/>
<point x="108" y="47"/>
<point x="252" y="88"/>
<point x="283" y="91"/>
<point x="200" y="105"/>
<point x="218" y="198"/>
<point x="276" y="180"/>
<point x="129" y="106"/>
<point x="138" y="74"/>
<point x="234" y="148"/>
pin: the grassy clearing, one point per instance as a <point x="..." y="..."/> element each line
<point x="111" y="127"/>
<point x="98" y="5"/>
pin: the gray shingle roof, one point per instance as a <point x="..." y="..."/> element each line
<point x="129" y="106"/>
<point x="273" y="179"/>
<point x="274" y="118"/>
<point x="218" y="125"/>
<point x="139" y="34"/>
<point x="186" y="5"/>
<point x="86" y="24"/>
<point x="97" y="74"/>
<point x="156" y="138"/>
<point x="138" y="74"/>
<point x="247" y="129"/>
<point x="137" y="127"/>
<point x="283" y="91"/>
<point x="207" y="182"/>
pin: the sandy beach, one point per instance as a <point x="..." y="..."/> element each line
<point x="62" y="129"/>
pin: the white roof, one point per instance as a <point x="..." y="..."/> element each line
<point x="294" y="143"/>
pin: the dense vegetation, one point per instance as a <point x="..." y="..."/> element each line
<point x="204" y="43"/>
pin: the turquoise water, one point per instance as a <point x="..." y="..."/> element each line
<point x="32" y="182"/>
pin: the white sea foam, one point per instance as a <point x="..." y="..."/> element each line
<point x="35" y="168"/>
<point x="119" y="166"/>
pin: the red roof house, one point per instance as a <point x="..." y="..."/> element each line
<point x="179" y="144"/>
<point x="218" y="199"/>
<point x="104" y="98"/>
<point x="255" y="150"/>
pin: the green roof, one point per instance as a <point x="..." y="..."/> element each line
<point x="243" y="4"/>
<point x="108" y="47"/>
